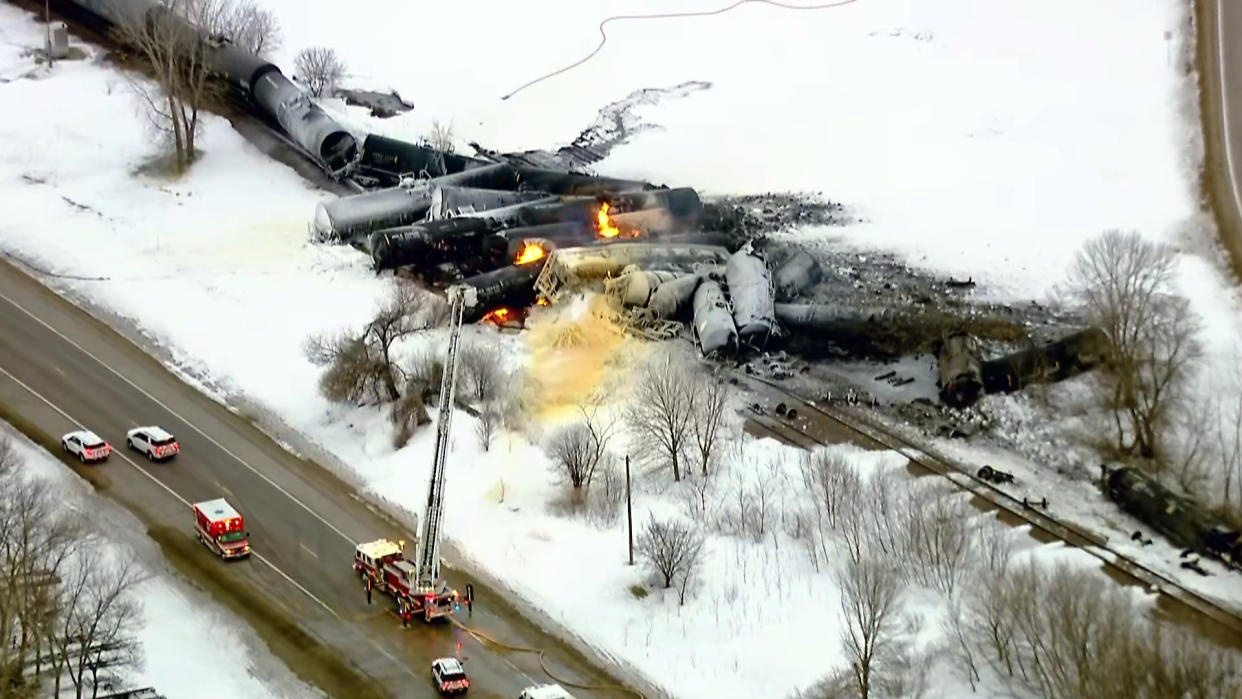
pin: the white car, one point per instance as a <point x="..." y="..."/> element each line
<point x="449" y="676"/>
<point x="545" y="691"/>
<point x="153" y="441"/>
<point x="87" y="445"/>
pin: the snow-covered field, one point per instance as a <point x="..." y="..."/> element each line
<point x="186" y="638"/>
<point x="982" y="139"/>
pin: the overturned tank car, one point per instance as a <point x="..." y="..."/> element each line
<point x="1055" y="361"/>
<point x="960" y="374"/>
<point x="1176" y="516"/>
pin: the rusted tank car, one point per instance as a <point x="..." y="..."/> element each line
<point x="1056" y="361"/>
<point x="960" y="372"/>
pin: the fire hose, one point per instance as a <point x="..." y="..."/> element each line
<point x="603" y="36"/>
<point x="485" y="638"/>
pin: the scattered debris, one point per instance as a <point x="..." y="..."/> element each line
<point x="382" y="104"/>
<point x="997" y="476"/>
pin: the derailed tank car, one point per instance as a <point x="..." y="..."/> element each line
<point x="960" y="374"/>
<point x="1176" y="516"/>
<point x="1056" y="361"/>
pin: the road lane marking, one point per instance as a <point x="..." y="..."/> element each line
<point x="312" y="553"/>
<point x="177" y="415"/>
<point x="161" y="484"/>
<point x="1224" y="103"/>
<point x="221" y="487"/>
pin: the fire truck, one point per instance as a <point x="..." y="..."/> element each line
<point x="220" y="528"/>
<point x="416" y="585"/>
<point x="383" y="567"/>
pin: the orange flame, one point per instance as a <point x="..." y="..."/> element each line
<point x="606" y="229"/>
<point x="530" y="253"/>
<point x="541" y="301"/>
<point x="498" y="316"/>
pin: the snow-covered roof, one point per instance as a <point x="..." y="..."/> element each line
<point x="159" y="434"/>
<point x="450" y="666"/>
<point x="87" y="437"/>
<point x="217" y="509"/>
<point x="546" y="691"/>
<point x="379" y="549"/>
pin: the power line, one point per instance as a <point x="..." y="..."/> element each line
<point x="603" y="35"/>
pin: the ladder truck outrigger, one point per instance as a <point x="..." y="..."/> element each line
<point x="416" y="585"/>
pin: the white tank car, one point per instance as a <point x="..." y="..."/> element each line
<point x="672" y="297"/>
<point x="713" y="324"/>
<point x="750" y="289"/>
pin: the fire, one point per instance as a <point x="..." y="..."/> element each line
<point x="530" y="253"/>
<point x="498" y="316"/>
<point x="541" y="301"/>
<point x="606" y="229"/>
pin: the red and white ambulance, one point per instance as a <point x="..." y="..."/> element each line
<point x="220" y="528"/>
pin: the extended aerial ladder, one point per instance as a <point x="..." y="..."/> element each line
<point x="428" y="560"/>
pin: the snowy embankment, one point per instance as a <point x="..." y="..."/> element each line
<point x="185" y="637"/>
<point x="949" y="126"/>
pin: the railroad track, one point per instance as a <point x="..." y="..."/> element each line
<point x="961" y="475"/>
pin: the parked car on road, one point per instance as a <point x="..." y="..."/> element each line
<point x="153" y="441"/>
<point x="545" y="691"/>
<point x="449" y="676"/>
<point x="86" y="445"/>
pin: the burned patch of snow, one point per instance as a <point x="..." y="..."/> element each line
<point x="749" y="216"/>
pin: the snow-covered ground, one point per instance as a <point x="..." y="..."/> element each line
<point x="982" y="139"/>
<point x="186" y="638"/>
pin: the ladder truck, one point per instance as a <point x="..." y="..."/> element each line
<point x="416" y="585"/>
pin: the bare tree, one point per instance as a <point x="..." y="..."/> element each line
<point x="440" y="138"/>
<point x="255" y="29"/>
<point x="409" y="413"/>
<point x="36" y="539"/>
<point x="361" y="365"/>
<point x="320" y="69"/>
<point x="579" y="449"/>
<point x="180" y="61"/>
<point x="1229" y="438"/>
<point x="938" y="545"/>
<point x="485" y="430"/>
<point x="706" y="418"/>
<point x="670" y="548"/>
<point x="870" y="600"/>
<point x="480" y="370"/>
<point x="661" y="409"/>
<point x="1123" y="282"/>
<point x="97" y="618"/>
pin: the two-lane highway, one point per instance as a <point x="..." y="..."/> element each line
<point x="61" y="369"/>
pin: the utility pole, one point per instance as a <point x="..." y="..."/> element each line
<point x="629" y="507"/>
<point x="47" y="24"/>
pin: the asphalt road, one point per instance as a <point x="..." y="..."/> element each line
<point x="61" y="369"/>
<point x="1219" y="58"/>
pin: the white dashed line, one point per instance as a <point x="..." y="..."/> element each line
<point x="177" y="415"/>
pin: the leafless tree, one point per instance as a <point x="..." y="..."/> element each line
<point x="579" y="449"/>
<point x="480" y="370"/>
<point x="1229" y="437"/>
<point x="833" y="489"/>
<point x="255" y="29"/>
<point x="440" y="138"/>
<point x="670" y="548"/>
<point x="424" y="373"/>
<point x="700" y="498"/>
<point x="661" y="409"/>
<point x="870" y="601"/>
<point x="36" y="539"/>
<point x="320" y="69"/>
<point x="97" y="618"/>
<point x="1123" y="282"/>
<point x="180" y="64"/>
<point x="607" y="494"/>
<point x="707" y="417"/>
<point x="361" y="365"/>
<point x="485" y="430"/>
<point x="409" y="412"/>
<point x="938" y="546"/>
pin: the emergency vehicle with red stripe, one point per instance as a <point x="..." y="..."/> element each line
<point x="220" y="528"/>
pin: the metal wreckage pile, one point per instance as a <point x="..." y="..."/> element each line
<point x="523" y="233"/>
